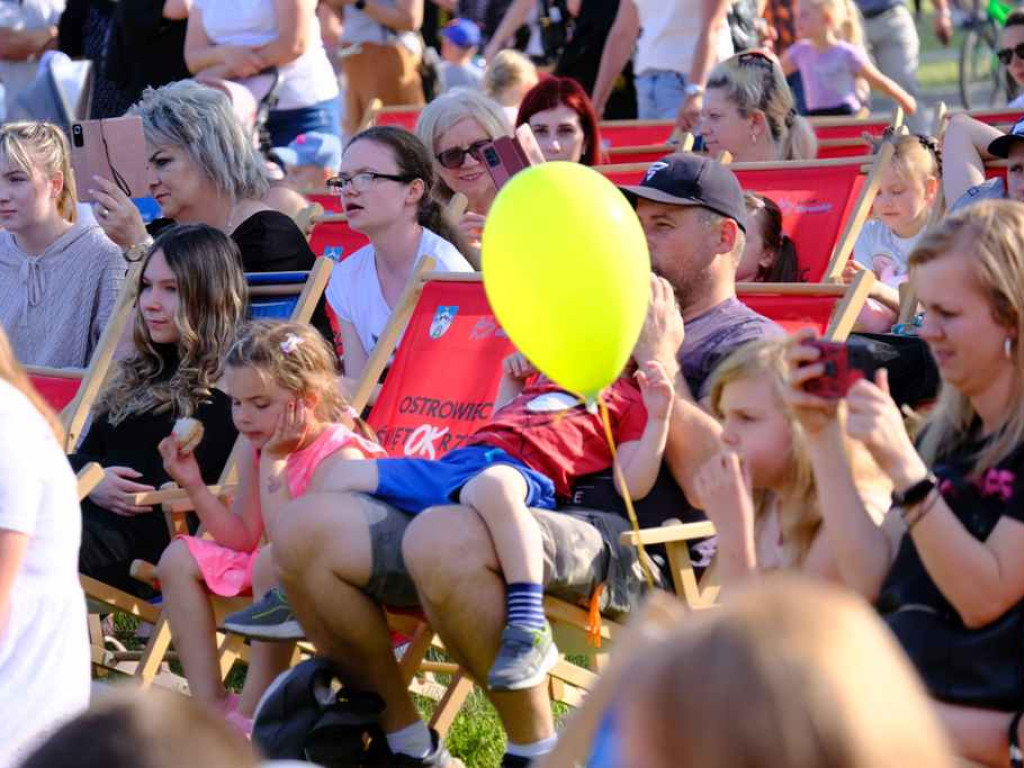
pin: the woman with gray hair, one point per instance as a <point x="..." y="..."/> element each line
<point x="455" y="127"/>
<point x="203" y="170"/>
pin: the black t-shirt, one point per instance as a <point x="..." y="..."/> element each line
<point x="144" y="49"/>
<point x="581" y="58"/>
<point x="978" y="504"/>
<point x="270" y="241"/>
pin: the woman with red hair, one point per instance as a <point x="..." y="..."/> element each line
<point x="563" y="120"/>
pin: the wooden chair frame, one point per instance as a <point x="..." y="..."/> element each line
<point x="116" y="600"/>
<point x="74" y="416"/>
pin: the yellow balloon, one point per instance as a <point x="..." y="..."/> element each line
<point x="567" y="273"/>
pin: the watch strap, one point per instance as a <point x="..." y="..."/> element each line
<point x="916" y="493"/>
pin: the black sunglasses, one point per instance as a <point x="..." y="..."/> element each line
<point x="1005" y="55"/>
<point x="454" y="158"/>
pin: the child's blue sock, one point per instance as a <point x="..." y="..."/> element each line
<point x="525" y="604"/>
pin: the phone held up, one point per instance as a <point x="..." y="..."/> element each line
<point x="113" y="149"/>
<point x="845" y="365"/>
<point x="508" y="155"/>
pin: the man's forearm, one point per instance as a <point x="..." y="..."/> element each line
<point x="693" y="437"/>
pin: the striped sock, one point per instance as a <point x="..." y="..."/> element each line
<point x="525" y="603"/>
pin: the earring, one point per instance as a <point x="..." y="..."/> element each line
<point x="753" y="138"/>
<point x="1008" y="348"/>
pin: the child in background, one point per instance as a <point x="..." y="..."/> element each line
<point x="508" y="78"/>
<point x="769" y="256"/>
<point x="906" y="202"/>
<point x="286" y="404"/>
<point x="540" y="441"/>
<point x="310" y="160"/>
<point x="460" y="41"/>
<point x="829" y="64"/>
<point x="760" y="491"/>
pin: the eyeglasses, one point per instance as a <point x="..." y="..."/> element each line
<point x="454" y="158"/>
<point x="362" y="181"/>
<point x="1005" y="55"/>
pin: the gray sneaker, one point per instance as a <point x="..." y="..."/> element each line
<point x="524" y="660"/>
<point x="269" y="618"/>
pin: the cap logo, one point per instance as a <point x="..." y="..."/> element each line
<point x="655" y="167"/>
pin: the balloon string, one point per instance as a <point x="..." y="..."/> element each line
<point x="626" y="495"/>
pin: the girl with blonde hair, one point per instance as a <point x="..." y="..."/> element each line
<point x="909" y="199"/>
<point x="44" y="650"/>
<point x="761" y="491"/>
<point x="749" y="112"/>
<point x="830" y="57"/>
<point x="59" y="277"/>
<point x="509" y="76"/>
<point x="790" y="673"/>
<point x="287" y="404"/>
<point x="945" y="568"/>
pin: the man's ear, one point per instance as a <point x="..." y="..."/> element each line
<point x="728" y="232"/>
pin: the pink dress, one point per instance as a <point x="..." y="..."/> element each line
<point x="228" y="572"/>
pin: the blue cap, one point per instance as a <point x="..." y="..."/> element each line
<point x="313" y="148"/>
<point x="463" y="32"/>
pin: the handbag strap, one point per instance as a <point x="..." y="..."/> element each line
<point x="1016" y="754"/>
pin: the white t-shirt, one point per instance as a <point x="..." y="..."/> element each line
<point x="304" y="82"/>
<point x="44" y="645"/>
<point x="668" y="36"/>
<point x="884" y="252"/>
<point x="1017" y="103"/>
<point x="354" y="291"/>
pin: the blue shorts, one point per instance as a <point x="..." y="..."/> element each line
<point x="414" y="485"/>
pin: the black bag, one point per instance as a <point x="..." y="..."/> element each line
<point x="973" y="667"/>
<point x="306" y="715"/>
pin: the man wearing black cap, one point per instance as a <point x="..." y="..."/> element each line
<point x="693" y="213"/>
<point x="966" y="146"/>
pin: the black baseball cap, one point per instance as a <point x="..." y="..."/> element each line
<point x="1001" y="147"/>
<point x="688" y="179"/>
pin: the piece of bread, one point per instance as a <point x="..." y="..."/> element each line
<point x="188" y="433"/>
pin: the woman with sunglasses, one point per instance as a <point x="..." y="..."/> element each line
<point x="1011" y="53"/>
<point x="388" y="192"/>
<point x="455" y="128"/>
<point x="749" y="112"/>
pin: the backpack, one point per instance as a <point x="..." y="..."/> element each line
<point x="306" y="714"/>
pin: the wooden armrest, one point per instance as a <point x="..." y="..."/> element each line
<point x="669" y="533"/>
<point x="143" y="571"/>
<point x="171" y="495"/>
<point x="89" y="477"/>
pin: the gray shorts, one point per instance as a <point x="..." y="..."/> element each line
<point x="581" y="551"/>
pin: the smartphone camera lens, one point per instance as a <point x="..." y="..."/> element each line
<point x="491" y="157"/>
<point x="76" y="135"/>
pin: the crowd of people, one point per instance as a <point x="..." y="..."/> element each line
<point x="247" y="107"/>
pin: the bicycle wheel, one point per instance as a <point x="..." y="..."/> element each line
<point x="983" y="80"/>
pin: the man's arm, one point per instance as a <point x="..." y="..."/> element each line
<point x="513" y="19"/>
<point x="712" y="24"/>
<point x="692" y="432"/>
<point x="617" y="49"/>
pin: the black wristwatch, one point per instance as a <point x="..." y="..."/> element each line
<point x="360" y="4"/>
<point x="916" y="493"/>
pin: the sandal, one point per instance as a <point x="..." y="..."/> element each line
<point x="1016" y="754"/>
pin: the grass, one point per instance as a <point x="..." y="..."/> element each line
<point x="476" y="736"/>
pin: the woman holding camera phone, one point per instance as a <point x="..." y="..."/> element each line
<point x="944" y="569"/>
<point x="455" y="127"/>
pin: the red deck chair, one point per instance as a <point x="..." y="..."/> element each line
<point x="331" y="232"/>
<point x="830" y="309"/>
<point x="73" y="391"/>
<point x="635" y="133"/>
<point x="829" y="149"/>
<point x="824" y="202"/>
<point x="851" y="127"/>
<point x="401" y="116"/>
<point x="997" y="117"/>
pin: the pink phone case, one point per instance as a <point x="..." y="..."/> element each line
<point x="113" y="149"/>
<point x="508" y="155"/>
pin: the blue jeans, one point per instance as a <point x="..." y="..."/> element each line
<point x="286" y="124"/>
<point x="659" y="94"/>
